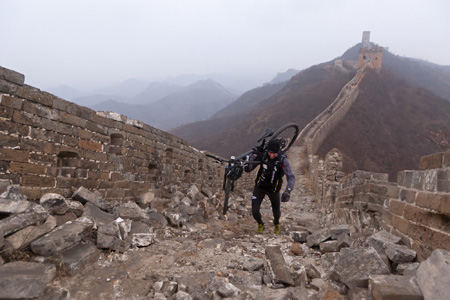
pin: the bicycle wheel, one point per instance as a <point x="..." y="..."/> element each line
<point x="286" y="136"/>
<point x="227" y="195"/>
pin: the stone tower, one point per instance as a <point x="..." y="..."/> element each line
<point x="366" y="39"/>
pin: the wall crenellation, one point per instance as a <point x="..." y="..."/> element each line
<point x="52" y="145"/>
<point x="416" y="207"/>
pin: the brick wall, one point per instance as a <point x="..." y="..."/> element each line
<point x="48" y="144"/>
<point x="416" y="207"/>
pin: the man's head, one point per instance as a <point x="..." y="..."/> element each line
<point x="272" y="148"/>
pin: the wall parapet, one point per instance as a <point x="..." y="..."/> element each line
<point x="415" y="208"/>
<point x="48" y="144"/>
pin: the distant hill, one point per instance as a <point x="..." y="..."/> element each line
<point x="384" y="131"/>
<point x="271" y="106"/>
<point x="285" y="76"/>
<point x="381" y="133"/>
<point x="195" y="102"/>
<point x="153" y="92"/>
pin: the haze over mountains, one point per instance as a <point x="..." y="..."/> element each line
<point x="383" y="131"/>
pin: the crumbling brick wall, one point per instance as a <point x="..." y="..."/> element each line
<point x="48" y="144"/>
<point x="416" y="207"/>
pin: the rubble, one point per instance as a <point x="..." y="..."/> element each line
<point x="182" y="247"/>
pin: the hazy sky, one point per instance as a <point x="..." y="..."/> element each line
<point x="55" y="42"/>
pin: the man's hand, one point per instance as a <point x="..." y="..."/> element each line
<point x="286" y="196"/>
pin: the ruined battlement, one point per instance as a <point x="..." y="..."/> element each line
<point x="415" y="208"/>
<point x="48" y="144"/>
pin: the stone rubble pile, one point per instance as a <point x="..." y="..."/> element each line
<point x="176" y="245"/>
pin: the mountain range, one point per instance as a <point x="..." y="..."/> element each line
<point x="382" y="132"/>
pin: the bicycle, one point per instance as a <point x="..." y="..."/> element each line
<point x="286" y="136"/>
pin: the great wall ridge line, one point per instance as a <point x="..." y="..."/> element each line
<point x="309" y="139"/>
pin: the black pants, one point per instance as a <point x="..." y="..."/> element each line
<point x="257" y="198"/>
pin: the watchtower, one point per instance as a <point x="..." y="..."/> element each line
<point x="369" y="54"/>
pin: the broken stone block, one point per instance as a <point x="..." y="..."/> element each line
<point x="76" y="207"/>
<point x="192" y="191"/>
<point x="278" y="271"/>
<point x="13" y="223"/>
<point x="344" y="241"/>
<point x="146" y="198"/>
<point x="177" y="217"/>
<point x="108" y="237"/>
<point x="72" y="260"/>
<point x="63" y="219"/>
<point x="25" y="279"/>
<point x="380" y="239"/>
<point x="299" y="236"/>
<point x="217" y="244"/>
<point x="63" y="237"/>
<point x="354" y="266"/>
<point x="337" y="230"/>
<point x="253" y="264"/>
<point x="312" y="272"/>
<point x="13" y="192"/>
<point x="97" y="215"/>
<point x="296" y="248"/>
<point x="54" y="203"/>
<point x="13" y="206"/>
<point x="132" y="211"/>
<point x="399" y="253"/>
<point x="394" y="287"/>
<point x="357" y="293"/>
<point x="142" y="239"/>
<point x="318" y="237"/>
<point x="433" y="275"/>
<point x="223" y="288"/>
<point x="2" y="239"/>
<point x="83" y="195"/>
<point x="329" y="246"/>
<point x="157" y="220"/>
<point x="407" y="269"/>
<point x="22" y="238"/>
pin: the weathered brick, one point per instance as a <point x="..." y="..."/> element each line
<point x="72" y="120"/>
<point x="26" y="118"/>
<point x="7" y="87"/>
<point x="32" y="193"/>
<point x="39" y="110"/>
<point x="433" y="161"/>
<point x="38" y="181"/>
<point x="6" y="112"/>
<point x="445" y="204"/>
<point x="407" y="195"/>
<point x="416" y="214"/>
<point x="8" y="140"/>
<point x="429" y="200"/>
<point x="443" y="185"/>
<point x="103" y="121"/>
<point x="404" y="178"/>
<point x="11" y="102"/>
<point x="90" y="145"/>
<point x="446" y="159"/>
<point x="12" y="76"/>
<point x="96" y="128"/>
<point x="115" y="194"/>
<point x="27" y="168"/>
<point x="33" y="94"/>
<point x="14" y="155"/>
<point x="397" y="207"/>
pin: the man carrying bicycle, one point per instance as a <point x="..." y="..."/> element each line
<point x="273" y="166"/>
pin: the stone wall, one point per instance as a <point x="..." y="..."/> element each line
<point x="48" y="144"/>
<point x="415" y="208"/>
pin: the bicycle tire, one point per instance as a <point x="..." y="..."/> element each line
<point x="227" y="195"/>
<point x="287" y="135"/>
